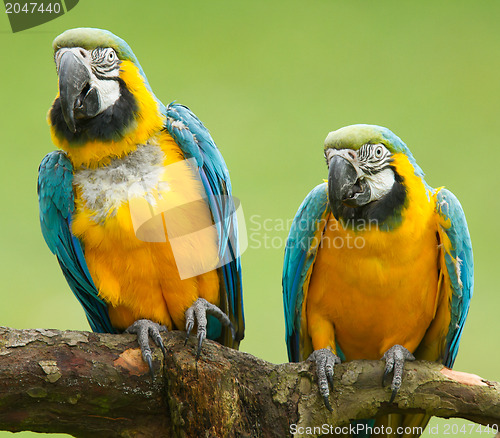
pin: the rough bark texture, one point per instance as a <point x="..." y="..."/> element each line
<point x="89" y="385"/>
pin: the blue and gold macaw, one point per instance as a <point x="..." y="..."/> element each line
<point x="137" y="205"/>
<point x="377" y="264"/>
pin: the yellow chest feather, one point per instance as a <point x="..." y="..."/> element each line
<point x="376" y="288"/>
<point x="136" y="275"/>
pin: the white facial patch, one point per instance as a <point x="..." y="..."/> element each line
<point x="380" y="183"/>
<point x="107" y="90"/>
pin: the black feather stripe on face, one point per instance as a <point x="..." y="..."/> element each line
<point x="112" y="124"/>
<point x="103" y="73"/>
<point x="372" y="169"/>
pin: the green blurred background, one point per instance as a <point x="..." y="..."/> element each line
<point x="270" y="79"/>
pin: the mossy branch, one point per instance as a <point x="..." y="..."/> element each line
<point x="88" y="384"/>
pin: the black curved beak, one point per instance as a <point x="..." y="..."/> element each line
<point x="78" y="99"/>
<point x="344" y="186"/>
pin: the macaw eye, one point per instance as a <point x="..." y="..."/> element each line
<point x="111" y="55"/>
<point x="379" y="150"/>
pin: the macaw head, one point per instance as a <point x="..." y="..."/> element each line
<point x="370" y="169"/>
<point x="104" y="102"/>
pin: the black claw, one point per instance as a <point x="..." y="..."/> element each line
<point x="327" y="403"/>
<point x="201" y="338"/>
<point x="189" y="327"/>
<point x="158" y="341"/>
<point x="384" y="377"/>
<point x="162" y="348"/>
<point x="148" y="359"/>
<point x="330" y="379"/>
<point x="393" y="395"/>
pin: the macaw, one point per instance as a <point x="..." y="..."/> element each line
<point x="378" y="265"/>
<point x="136" y="204"/>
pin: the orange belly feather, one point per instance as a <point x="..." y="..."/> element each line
<point x="372" y="289"/>
<point x="139" y="279"/>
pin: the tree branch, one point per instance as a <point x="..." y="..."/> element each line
<point x="89" y="384"/>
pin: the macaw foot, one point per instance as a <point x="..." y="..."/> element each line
<point x="325" y="362"/>
<point x="199" y="311"/>
<point x="395" y="359"/>
<point x="144" y="328"/>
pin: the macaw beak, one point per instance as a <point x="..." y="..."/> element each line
<point x="345" y="188"/>
<point x="78" y="99"/>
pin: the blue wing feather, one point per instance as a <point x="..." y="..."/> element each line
<point x="460" y="269"/>
<point x="300" y="253"/>
<point x="56" y="203"/>
<point x="195" y="142"/>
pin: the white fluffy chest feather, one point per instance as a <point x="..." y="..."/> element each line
<point x="106" y="188"/>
